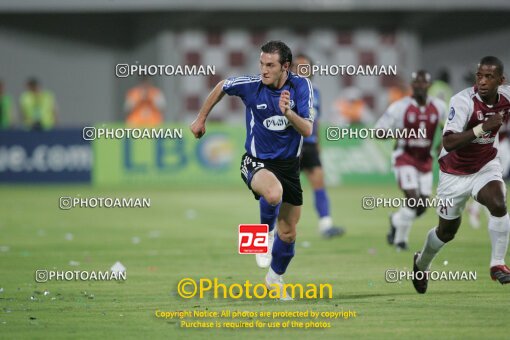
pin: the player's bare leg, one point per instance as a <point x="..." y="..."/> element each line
<point x="492" y="196"/>
<point x="287" y="222"/>
<point x="315" y="176"/>
<point x="283" y="247"/>
<point x="266" y="184"/>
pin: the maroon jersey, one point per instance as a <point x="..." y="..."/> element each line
<point x="467" y="110"/>
<point x="418" y="125"/>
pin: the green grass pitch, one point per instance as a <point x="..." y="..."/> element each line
<point x="192" y="232"/>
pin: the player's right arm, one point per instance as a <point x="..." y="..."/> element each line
<point x="198" y="125"/>
<point x="457" y="140"/>
<point x="454" y="136"/>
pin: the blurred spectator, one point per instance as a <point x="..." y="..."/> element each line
<point x="398" y="90"/>
<point x="441" y="88"/>
<point x="351" y="108"/>
<point x="144" y="105"/>
<point x="5" y="108"/>
<point x="38" y="107"/>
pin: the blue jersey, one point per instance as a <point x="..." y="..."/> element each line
<point x="314" y="138"/>
<point x="269" y="134"/>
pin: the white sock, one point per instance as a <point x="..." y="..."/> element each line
<point x="402" y="221"/>
<point x="431" y="247"/>
<point x="499" y="228"/>
<point x="272" y="276"/>
<point x="325" y="223"/>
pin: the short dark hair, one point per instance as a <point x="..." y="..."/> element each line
<point x="493" y="61"/>
<point x="277" y="46"/>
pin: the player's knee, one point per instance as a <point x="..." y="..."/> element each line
<point x="446" y="235"/>
<point x="287" y="236"/>
<point x="273" y="195"/>
<point x="497" y="207"/>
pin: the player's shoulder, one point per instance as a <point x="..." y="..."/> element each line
<point x="299" y="81"/>
<point x="464" y="96"/>
<point x="240" y="80"/>
<point x="462" y="103"/>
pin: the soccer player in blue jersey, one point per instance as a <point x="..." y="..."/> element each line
<point x="279" y="112"/>
<point x="310" y="158"/>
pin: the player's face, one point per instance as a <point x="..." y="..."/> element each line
<point x="271" y="69"/>
<point x="420" y="86"/>
<point x="300" y="61"/>
<point x="487" y="80"/>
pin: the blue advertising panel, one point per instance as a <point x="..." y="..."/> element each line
<point x="44" y="156"/>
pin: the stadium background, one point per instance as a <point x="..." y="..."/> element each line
<point x="73" y="47"/>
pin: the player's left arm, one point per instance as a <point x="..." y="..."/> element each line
<point x="302" y="125"/>
<point x="302" y="122"/>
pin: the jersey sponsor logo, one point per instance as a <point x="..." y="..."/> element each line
<point x="276" y="123"/>
<point x="261" y="106"/>
<point x="253" y="238"/>
<point x="452" y="114"/>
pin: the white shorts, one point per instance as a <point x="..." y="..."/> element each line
<point x="455" y="190"/>
<point x="409" y="178"/>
